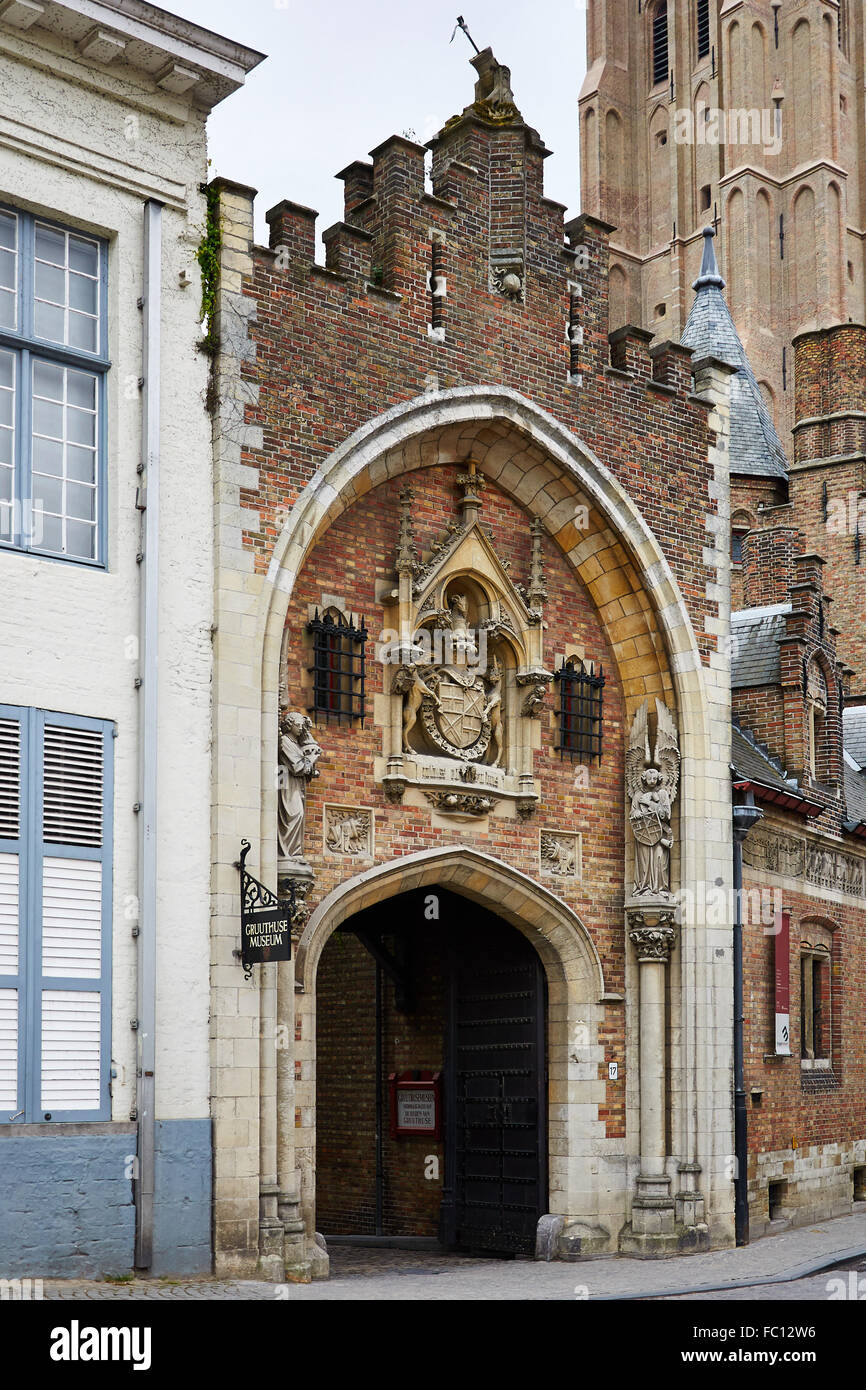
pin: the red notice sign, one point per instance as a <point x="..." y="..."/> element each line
<point x="783" y="983"/>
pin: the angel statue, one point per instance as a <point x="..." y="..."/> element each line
<point x="651" y="783"/>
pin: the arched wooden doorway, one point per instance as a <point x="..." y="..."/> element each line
<point x="428" y="982"/>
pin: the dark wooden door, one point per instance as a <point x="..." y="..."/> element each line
<point x="496" y="1142"/>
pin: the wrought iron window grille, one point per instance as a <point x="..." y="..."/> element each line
<point x="338" y="667"/>
<point x="580" y="709"/>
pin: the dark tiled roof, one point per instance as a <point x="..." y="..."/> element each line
<point x="753" y="763"/>
<point x="854" y="733"/>
<point x="855" y="795"/>
<point x="755" y="446"/>
<point x="755" y="634"/>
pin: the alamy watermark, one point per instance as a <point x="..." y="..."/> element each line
<point x="713" y="125"/>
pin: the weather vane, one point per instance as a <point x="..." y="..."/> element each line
<point x="461" y="24"/>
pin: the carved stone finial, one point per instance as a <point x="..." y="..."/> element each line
<point x="536" y="589"/>
<point x="407" y="554"/>
<point x="470" y="503"/>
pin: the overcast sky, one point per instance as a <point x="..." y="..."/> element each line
<point x="341" y="76"/>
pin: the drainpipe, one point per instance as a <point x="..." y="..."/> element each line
<point x="744" y="818"/>
<point x="148" y="504"/>
<point x="380" y="1098"/>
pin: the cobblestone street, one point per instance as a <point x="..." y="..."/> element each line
<point x="794" y="1265"/>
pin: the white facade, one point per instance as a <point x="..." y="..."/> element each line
<point x="104" y="109"/>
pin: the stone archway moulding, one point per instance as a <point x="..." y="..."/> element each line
<point x="392" y="444"/>
<point x="559" y="936"/>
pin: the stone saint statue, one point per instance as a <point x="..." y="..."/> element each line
<point x="299" y="754"/>
<point x="651" y="784"/>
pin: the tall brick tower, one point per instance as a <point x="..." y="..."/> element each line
<point x="746" y="113"/>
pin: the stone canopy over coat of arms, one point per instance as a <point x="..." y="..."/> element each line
<point x="467" y="665"/>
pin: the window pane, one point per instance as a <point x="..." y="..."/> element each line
<point x="49" y="321"/>
<point x="7" y="420"/>
<point x="7" y="309"/>
<point x="83" y="255"/>
<point x="80" y="464"/>
<point x="48" y="380"/>
<point x="81" y="388"/>
<point x="82" y="293"/>
<point x="47" y="418"/>
<point x="80" y="426"/>
<point x="67" y="270"/>
<point x="81" y="501"/>
<point x="81" y="540"/>
<point x="82" y="332"/>
<point x="48" y="456"/>
<point x="64" y="458"/>
<point x="52" y="532"/>
<point x="7" y="269"/>
<point x="48" y="491"/>
<point x="8" y="230"/>
<point x="5" y="493"/>
<point x="50" y="244"/>
<point x="50" y="283"/>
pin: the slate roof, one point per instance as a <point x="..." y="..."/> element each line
<point x="854" y="733"/>
<point x="756" y="449"/>
<point x="855" y="796"/>
<point x="751" y="762"/>
<point x="755" y="634"/>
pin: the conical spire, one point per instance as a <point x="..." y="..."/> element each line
<point x="709" y="267"/>
<point x="755" y="446"/>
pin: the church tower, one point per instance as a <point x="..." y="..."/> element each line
<point x="748" y="115"/>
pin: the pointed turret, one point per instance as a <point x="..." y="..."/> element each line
<point x="755" y="446"/>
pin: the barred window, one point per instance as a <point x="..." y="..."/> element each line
<point x="580" y="709"/>
<point x="338" y="666"/>
<point x="815" y="1005"/>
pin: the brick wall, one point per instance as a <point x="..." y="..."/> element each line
<point x="338" y="344"/>
<point x="828" y="479"/>
<point x="356" y="553"/>
<point x="346" y="1087"/>
<point x="807" y="1138"/>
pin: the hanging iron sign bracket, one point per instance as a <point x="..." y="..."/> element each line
<point x="266" y="920"/>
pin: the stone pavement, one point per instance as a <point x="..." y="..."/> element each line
<point x="365" y="1273"/>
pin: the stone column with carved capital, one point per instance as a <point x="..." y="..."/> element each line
<point x="652" y="932"/>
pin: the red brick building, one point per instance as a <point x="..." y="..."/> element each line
<point x="473" y="706"/>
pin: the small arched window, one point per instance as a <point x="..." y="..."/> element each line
<point x="816" y="704"/>
<point x="660" y="43"/>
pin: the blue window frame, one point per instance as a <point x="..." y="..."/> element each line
<point x="56" y="795"/>
<point x="53" y="365"/>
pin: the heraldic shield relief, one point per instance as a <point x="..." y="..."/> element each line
<point x="468" y="670"/>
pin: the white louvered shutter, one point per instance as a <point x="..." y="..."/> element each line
<point x="72" y="893"/>
<point x="8" y="1049"/>
<point x="10" y="779"/>
<point x="72" y="774"/>
<point x="10" y="832"/>
<point x="70" y="1049"/>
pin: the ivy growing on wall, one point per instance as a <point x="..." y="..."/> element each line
<point x="208" y="257"/>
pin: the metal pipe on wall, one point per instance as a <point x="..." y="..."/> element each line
<point x="148" y="505"/>
<point x="744" y="818"/>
